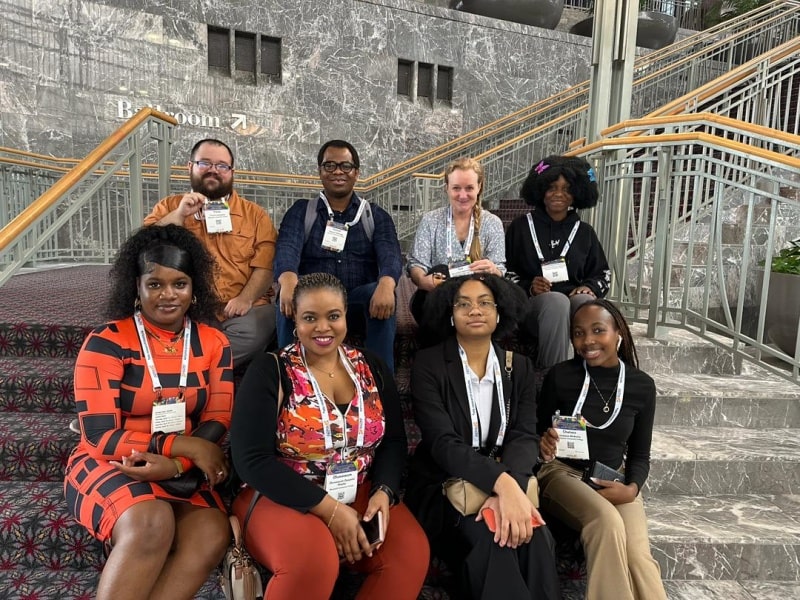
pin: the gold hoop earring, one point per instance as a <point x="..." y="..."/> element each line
<point x="137" y="304"/>
<point x="294" y="332"/>
<point x="194" y="299"/>
<point x="452" y="322"/>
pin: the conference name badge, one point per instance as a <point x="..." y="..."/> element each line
<point x="459" y="269"/>
<point x="218" y="217"/>
<point x="341" y="481"/>
<point x="168" y="416"/>
<point x="555" y="270"/>
<point x="335" y="236"/>
<point x="572" y="440"/>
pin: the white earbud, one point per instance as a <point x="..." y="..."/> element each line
<point x="619" y="342"/>
<point x="498" y="318"/>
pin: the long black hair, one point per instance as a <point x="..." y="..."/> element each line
<point x="170" y="246"/>
<point x="438" y="310"/>
<point x="626" y="350"/>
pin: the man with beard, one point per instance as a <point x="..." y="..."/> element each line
<point x="241" y="237"/>
<point x="344" y="235"/>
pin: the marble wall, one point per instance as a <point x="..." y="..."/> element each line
<point x="71" y="70"/>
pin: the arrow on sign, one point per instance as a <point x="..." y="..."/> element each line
<point x="240" y="121"/>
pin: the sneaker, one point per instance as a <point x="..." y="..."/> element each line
<point x="75" y="426"/>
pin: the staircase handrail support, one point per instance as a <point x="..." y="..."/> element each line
<point x="729" y="308"/>
<point x="33" y="228"/>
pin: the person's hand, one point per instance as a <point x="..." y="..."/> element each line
<point x="381" y="306"/>
<point x="617" y="492"/>
<point x="540" y="285"/>
<point x="379" y="502"/>
<point x="237" y="307"/>
<point x="548" y="445"/>
<point x="582" y="289"/>
<point x="206" y="455"/>
<point x="146" y="466"/>
<point x="484" y="265"/>
<point x="512" y="511"/>
<point x="288" y="282"/>
<point x="191" y="203"/>
<point x="349" y="537"/>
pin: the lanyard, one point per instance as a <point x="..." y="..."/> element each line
<point x="536" y="239"/>
<point x="473" y="403"/>
<point x="617" y="401"/>
<point x="148" y="355"/>
<point x="450" y="236"/>
<point x="357" y="218"/>
<point x="323" y="407"/>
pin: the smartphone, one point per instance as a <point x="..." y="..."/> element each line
<point x="374" y="529"/>
<point x="488" y="518"/>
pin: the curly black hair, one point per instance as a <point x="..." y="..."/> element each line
<point x="627" y="349"/>
<point x="579" y="175"/>
<point x="509" y="297"/>
<point x="179" y="249"/>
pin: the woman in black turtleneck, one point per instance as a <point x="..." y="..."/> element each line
<point x="557" y="257"/>
<point x="604" y="385"/>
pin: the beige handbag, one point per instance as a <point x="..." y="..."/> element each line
<point x="468" y="498"/>
<point x="240" y="577"/>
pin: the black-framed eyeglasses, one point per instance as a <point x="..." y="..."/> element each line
<point x="482" y="305"/>
<point x="330" y="166"/>
<point x="204" y="165"/>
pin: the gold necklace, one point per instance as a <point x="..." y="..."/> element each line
<point x="328" y="373"/>
<point x="605" y="402"/>
<point x="169" y="347"/>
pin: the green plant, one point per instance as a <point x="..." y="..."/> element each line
<point x="788" y="259"/>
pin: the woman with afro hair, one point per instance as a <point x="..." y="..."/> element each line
<point x="557" y="257"/>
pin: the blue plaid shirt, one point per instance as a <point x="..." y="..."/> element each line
<point x="362" y="261"/>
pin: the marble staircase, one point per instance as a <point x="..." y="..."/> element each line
<point x="722" y="497"/>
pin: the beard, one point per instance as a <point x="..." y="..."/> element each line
<point x="210" y="184"/>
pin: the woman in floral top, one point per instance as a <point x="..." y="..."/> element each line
<point x="336" y="459"/>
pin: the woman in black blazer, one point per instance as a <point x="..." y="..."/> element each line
<point x="478" y="423"/>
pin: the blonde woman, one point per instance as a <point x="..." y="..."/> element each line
<point x="460" y="238"/>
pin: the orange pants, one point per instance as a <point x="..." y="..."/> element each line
<point x="299" y="550"/>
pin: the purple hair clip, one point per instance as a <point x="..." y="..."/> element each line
<point x="541" y="167"/>
<point x="592" y="176"/>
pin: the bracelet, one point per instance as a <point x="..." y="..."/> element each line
<point x="388" y="491"/>
<point x="333" y="514"/>
<point x="179" y="467"/>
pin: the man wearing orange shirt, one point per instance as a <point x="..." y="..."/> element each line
<point x="241" y="237"/>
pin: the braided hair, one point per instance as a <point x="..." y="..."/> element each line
<point x="627" y="350"/>
<point x="467" y="164"/>
<point x="317" y="281"/>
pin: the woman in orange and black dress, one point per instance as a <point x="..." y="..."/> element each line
<point x="156" y="367"/>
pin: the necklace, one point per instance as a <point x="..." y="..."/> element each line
<point x="169" y="347"/>
<point x="603" y="398"/>
<point x="328" y="373"/>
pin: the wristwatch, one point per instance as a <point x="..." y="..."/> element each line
<point x="388" y="491"/>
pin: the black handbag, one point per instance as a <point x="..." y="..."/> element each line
<point x="184" y="486"/>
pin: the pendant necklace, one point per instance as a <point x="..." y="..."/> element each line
<point x="169" y="347"/>
<point x="606" y="409"/>
<point x="328" y="373"/>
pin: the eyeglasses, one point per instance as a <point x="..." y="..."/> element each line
<point x="483" y="306"/>
<point x="204" y="165"/>
<point x="330" y="166"/>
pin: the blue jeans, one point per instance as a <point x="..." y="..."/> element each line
<point x="379" y="336"/>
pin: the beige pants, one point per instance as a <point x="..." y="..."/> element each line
<point x="618" y="560"/>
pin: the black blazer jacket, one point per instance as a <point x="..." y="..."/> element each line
<point x="441" y="410"/>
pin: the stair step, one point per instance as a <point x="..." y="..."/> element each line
<point x="726" y="537"/>
<point x="754" y="399"/>
<point x="678" y="351"/>
<point x="54" y="340"/>
<point x="36" y="384"/>
<point x="34" y="446"/>
<point x="724" y="460"/>
<point x="731" y="590"/>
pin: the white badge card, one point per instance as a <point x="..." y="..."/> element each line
<point x="572" y="440"/>
<point x="341" y="482"/>
<point x="555" y="270"/>
<point x="335" y="236"/>
<point x="168" y="416"/>
<point x="459" y="269"/>
<point x="218" y="217"/>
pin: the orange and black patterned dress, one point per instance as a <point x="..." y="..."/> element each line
<point x="114" y="398"/>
